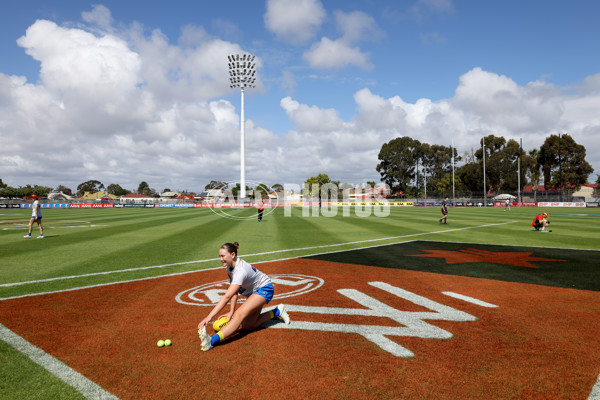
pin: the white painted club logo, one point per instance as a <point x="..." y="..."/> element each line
<point x="408" y="323"/>
<point x="285" y="286"/>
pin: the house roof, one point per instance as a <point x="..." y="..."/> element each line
<point x="541" y="188"/>
<point x="98" y="195"/>
<point x="135" y="196"/>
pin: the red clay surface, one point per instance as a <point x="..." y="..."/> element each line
<point x="540" y="343"/>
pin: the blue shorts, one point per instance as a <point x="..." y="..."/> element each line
<point x="36" y="219"/>
<point x="266" y="291"/>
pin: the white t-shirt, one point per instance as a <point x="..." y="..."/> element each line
<point x="36" y="210"/>
<point x="248" y="277"/>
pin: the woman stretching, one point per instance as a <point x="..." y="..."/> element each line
<point x="247" y="281"/>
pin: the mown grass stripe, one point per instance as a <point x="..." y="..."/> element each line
<point x="77" y="253"/>
<point x="245" y="256"/>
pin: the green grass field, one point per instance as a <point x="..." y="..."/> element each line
<point x="98" y="246"/>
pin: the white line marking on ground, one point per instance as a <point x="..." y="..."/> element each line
<point x="105" y="273"/>
<point x="470" y="299"/>
<point x="56" y="367"/>
<point x="246" y="256"/>
<point x="53" y="227"/>
<point x="595" y="395"/>
<point x="107" y="284"/>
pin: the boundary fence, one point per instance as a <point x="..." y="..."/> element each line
<point x="77" y="205"/>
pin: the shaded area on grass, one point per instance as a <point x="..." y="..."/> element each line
<point x="565" y="268"/>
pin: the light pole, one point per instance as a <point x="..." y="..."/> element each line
<point x="484" y="188"/>
<point x="519" y="173"/>
<point x="560" y="169"/>
<point x="453" y="193"/>
<point x="425" y="179"/>
<point x="241" y="74"/>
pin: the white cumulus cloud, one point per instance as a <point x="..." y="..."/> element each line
<point x="335" y="54"/>
<point x="294" y="21"/>
<point x="73" y="59"/>
<point x="343" y="51"/>
<point x="120" y="106"/>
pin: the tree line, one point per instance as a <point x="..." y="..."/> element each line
<point x="94" y="186"/>
<point x="411" y="167"/>
<point x="261" y="190"/>
<point x="91" y="186"/>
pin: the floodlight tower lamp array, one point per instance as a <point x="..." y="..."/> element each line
<point x="242" y="71"/>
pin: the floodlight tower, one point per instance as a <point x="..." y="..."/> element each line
<point x="241" y="74"/>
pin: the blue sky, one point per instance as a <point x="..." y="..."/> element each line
<point x="125" y="91"/>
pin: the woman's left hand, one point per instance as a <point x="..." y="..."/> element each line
<point x="203" y="323"/>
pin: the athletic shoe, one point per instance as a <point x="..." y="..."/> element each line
<point x="205" y="338"/>
<point x="27" y="237"/>
<point x="40" y="237"/>
<point x="440" y="221"/>
<point x="283" y="314"/>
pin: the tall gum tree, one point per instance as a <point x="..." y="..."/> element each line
<point x="563" y="163"/>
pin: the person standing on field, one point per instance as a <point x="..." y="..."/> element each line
<point x="444" y="210"/>
<point x="261" y="207"/>
<point x="36" y="216"/>
<point x="507" y="205"/>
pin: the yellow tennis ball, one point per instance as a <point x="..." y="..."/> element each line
<point x="220" y="323"/>
<point x="168" y="342"/>
<point x="160" y="343"/>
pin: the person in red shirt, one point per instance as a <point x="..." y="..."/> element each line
<point x="541" y="221"/>
<point x="261" y="207"/>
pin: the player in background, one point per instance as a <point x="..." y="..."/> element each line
<point x="541" y="221"/>
<point x="36" y="216"/>
<point x="507" y="204"/>
<point x="444" y="210"/>
<point x="260" y="205"/>
<point x="247" y="281"/>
